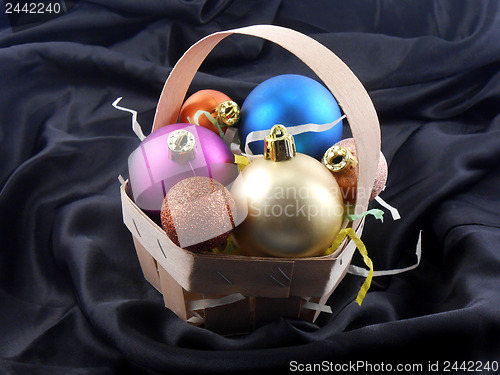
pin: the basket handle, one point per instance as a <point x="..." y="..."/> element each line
<point x="338" y="78"/>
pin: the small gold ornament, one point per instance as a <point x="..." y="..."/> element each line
<point x="228" y="113"/>
<point x="295" y="206"/>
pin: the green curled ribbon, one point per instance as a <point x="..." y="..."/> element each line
<point x="375" y="212"/>
<point x="209" y="117"/>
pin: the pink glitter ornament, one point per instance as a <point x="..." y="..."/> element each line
<point x="198" y="214"/>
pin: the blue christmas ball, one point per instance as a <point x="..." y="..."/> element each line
<point x="291" y="100"/>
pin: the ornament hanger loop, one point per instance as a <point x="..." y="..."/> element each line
<point x="337" y="158"/>
<point x="181" y="146"/>
<point x="278" y="131"/>
<point x="228" y="113"/>
<point x="279" y="144"/>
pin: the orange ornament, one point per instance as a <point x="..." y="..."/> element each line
<point x="204" y="103"/>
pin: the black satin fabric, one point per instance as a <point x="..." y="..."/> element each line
<point x="72" y="296"/>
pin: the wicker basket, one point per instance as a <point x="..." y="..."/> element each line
<point x="206" y="289"/>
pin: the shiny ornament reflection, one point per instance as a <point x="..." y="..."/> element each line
<point x="295" y="207"/>
<point x="172" y="153"/>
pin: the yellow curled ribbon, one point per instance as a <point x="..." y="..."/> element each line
<point x="228" y="249"/>
<point x="364" y="253"/>
<point x="241" y="161"/>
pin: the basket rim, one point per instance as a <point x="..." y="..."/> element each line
<point x="252" y="276"/>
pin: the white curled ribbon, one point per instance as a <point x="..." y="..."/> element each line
<point x="315" y="306"/>
<point x="201" y="304"/>
<point x="121" y="179"/>
<point x="260" y="135"/>
<point x="378" y="214"/>
<point x="231" y="139"/>
<point x="393" y="210"/>
<point x="136" y="127"/>
<point x="360" y="271"/>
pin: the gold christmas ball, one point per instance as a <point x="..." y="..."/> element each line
<point x="295" y="207"/>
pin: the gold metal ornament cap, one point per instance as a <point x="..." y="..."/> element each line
<point x="279" y="145"/>
<point x="181" y="146"/>
<point x="338" y="158"/>
<point x="228" y="113"/>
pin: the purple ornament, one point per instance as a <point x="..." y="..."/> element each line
<point x="173" y="153"/>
